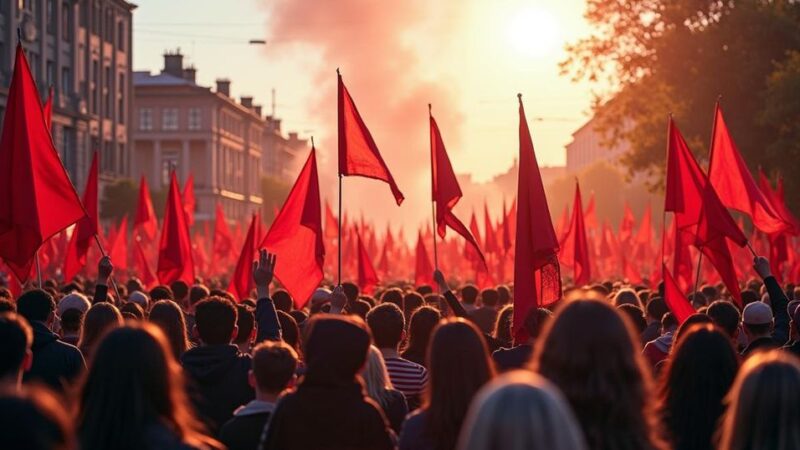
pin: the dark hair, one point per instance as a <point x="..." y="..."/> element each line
<point x="16" y="338"/>
<point x="420" y="327"/>
<point x="7" y="305"/>
<point x="725" y="315"/>
<point x="161" y="292"/>
<point x="34" y="419"/>
<point x="489" y="297"/>
<point x="360" y="308"/>
<point x="459" y="365"/>
<point x="656" y="308"/>
<point x="274" y="364"/>
<point x="133" y="366"/>
<point x="699" y="372"/>
<point x="749" y="296"/>
<point x="71" y="320"/>
<point x="591" y="353"/>
<point x="627" y="296"/>
<point x="668" y="321"/>
<point x="411" y="301"/>
<point x="299" y="316"/>
<point x="168" y="316"/>
<point x="710" y="292"/>
<point x="98" y="319"/>
<point x="283" y="301"/>
<point x="246" y="322"/>
<point x="198" y="292"/>
<point x="469" y="294"/>
<point x="351" y="291"/>
<point x="386" y="323"/>
<point x="5" y="293"/>
<point x="179" y="289"/>
<point x="36" y="305"/>
<point x="290" y="332"/>
<point x="393" y="295"/>
<point x="535" y="321"/>
<point x="424" y="289"/>
<point x="502" y="326"/>
<point x="503" y="294"/>
<point x="134" y="309"/>
<point x="697" y="299"/>
<point x="634" y="314"/>
<point x="134" y="284"/>
<point x="215" y="319"/>
<point x="694" y="319"/>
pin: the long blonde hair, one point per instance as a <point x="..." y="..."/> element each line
<point x="517" y="411"/>
<point x="763" y="411"/>
<point x="376" y="377"/>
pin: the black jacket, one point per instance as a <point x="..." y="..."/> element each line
<point x="780" y="334"/>
<point x="218" y="373"/>
<point x="512" y="358"/>
<point x="244" y="430"/>
<point x="54" y="362"/>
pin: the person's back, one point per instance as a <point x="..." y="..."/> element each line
<point x="485" y="317"/>
<point x="328" y="409"/>
<point x="217" y="371"/>
<point x="55" y="363"/>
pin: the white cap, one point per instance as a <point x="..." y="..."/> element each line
<point x="757" y="313"/>
<point x="74" y="300"/>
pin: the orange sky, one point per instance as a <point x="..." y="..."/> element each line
<point x="467" y="57"/>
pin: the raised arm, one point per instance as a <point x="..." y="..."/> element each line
<point x="104" y="270"/>
<point x="269" y="328"/>
<point x="777" y="299"/>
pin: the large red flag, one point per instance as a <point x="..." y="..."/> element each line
<point x="626" y="225"/>
<point x="537" y="278"/>
<point x="242" y="280"/>
<point x="367" y="277"/>
<point x="331" y="223"/>
<point x="506" y="229"/>
<point x="563" y="223"/>
<point x="223" y="240"/>
<point x="445" y="191"/>
<point x="674" y="298"/>
<point x="189" y="201"/>
<point x="145" y="221"/>
<point x="118" y="252"/>
<point x="423" y="269"/>
<point x="86" y="229"/>
<point x="48" y="109"/>
<point x="358" y="154"/>
<point x="776" y="200"/>
<point x="574" y="249"/>
<point x="590" y="214"/>
<point x="489" y="233"/>
<point x="37" y="199"/>
<point x="142" y="267"/>
<point x="734" y="183"/>
<point x="698" y="210"/>
<point x="175" y="260"/>
<point x="296" y="236"/>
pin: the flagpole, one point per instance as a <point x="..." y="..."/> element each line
<point x="38" y="269"/>
<point x="433" y="208"/>
<point x="110" y="277"/>
<point x="339" y="246"/>
<point x="697" y="274"/>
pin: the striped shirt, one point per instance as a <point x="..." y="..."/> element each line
<point x="407" y="377"/>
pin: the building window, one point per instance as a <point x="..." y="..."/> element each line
<point x="121" y="35"/>
<point x="169" y="119"/>
<point x="107" y="158"/>
<point x="145" y="119"/>
<point x="50" y="74"/>
<point x="109" y="111"/>
<point x="95" y="86"/>
<point x="51" y="16"/>
<point x="83" y="12"/>
<point x="66" y="22"/>
<point x="121" y="99"/>
<point x="169" y="162"/>
<point x="194" y="119"/>
<point x="66" y="80"/>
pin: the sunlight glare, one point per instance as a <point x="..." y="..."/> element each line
<point x="533" y="33"/>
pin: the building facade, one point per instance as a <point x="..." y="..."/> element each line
<point x="196" y="130"/>
<point x="281" y="152"/>
<point x="83" y="50"/>
<point x="587" y="148"/>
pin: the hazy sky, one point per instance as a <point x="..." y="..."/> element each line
<point x="468" y="57"/>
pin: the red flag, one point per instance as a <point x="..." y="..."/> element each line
<point x="48" y="109"/>
<point x="141" y="266"/>
<point x="537" y="278"/>
<point x="367" y="277"/>
<point x="145" y="221"/>
<point x="490" y="235"/>
<point x="676" y="301"/>
<point x="118" y="252"/>
<point x="189" y="201"/>
<point x="223" y="240"/>
<point x="175" y="260"/>
<point x="423" y="269"/>
<point x="296" y="236"/>
<point x="734" y="184"/>
<point x="242" y="280"/>
<point x="506" y="230"/>
<point x="383" y="263"/>
<point x="86" y="229"/>
<point x="563" y="223"/>
<point x="589" y="214"/>
<point x="776" y="200"/>
<point x="574" y="249"/>
<point x="37" y="199"/>
<point x="627" y="224"/>
<point x="644" y="238"/>
<point x="445" y="191"/>
<point x="358" y="154"/>
<point x="331" y="223"/>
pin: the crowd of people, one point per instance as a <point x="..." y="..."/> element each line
<point x="608" y="367"/>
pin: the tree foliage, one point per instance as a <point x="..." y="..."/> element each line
<point x="650" y="58"/>
<point x="119" y="198"/>
<point x="274" y="193"/>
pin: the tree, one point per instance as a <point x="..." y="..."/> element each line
<point x="119" y="198"/>
<point x="653" y="57"/>
<point x="274" y="193"/>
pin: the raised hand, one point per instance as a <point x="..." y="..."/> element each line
<point x="438" y="277"/>
<point x="104" y="270"/>
<point x="264" y="272"/>
<point x="338" y="300"/>
<point x="761" y="266"/>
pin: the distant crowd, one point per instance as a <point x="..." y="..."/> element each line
<point x="608" y="367"/>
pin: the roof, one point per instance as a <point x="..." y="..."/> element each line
<point x="145" y="78"/>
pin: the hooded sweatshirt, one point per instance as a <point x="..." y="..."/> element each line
<point x="54" y="362"/>
<point x="329" y="410"/>
<point x="244" y="431"/>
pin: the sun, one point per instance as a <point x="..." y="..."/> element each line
<point x="533" y="33"/>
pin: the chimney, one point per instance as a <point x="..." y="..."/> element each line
<point x="257" y="108"/>
<point x="247" y="102"/>
<point x="173" y="63"/>
<point x="189" y="73"/>
<point x="224" y="86"/>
